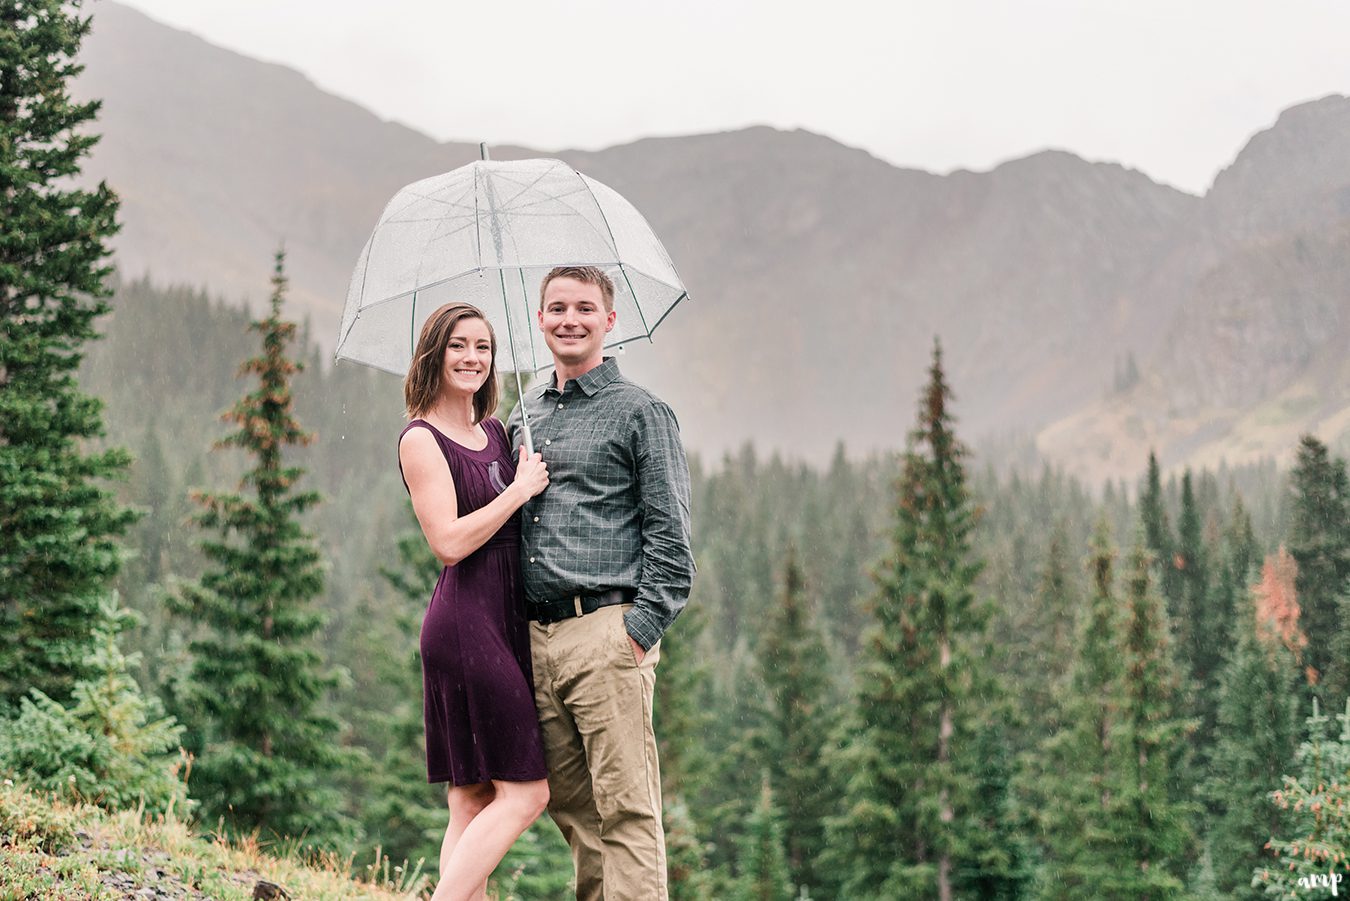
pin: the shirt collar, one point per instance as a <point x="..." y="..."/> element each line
<point x="592" y="381"/>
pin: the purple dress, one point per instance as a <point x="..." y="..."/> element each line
<point x="478" y="696"/>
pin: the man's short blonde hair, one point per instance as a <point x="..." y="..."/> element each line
<point x="589" y="275"/>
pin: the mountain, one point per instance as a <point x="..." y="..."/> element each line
<point x="819" y="275"/>
<point x="1254" y="351"/>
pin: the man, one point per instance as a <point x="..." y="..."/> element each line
<point x="607" y="567"/>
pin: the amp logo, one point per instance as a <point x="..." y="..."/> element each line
<point x="1322" y="880"/>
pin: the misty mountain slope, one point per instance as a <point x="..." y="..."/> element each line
<point x="818" y="274"/>
<point x="218" y="157"/>
<point x="1256" y="349"/>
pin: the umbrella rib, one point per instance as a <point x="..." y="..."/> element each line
<point x="412" y="325"/>
<point x="561" y="198"/>
<point x="449" y="234"/>
<point x="534" y="354"/>
<point x="414" y="196"/>
<point x="684" y="295"/>
<point x="421" y="258"/>
<point x="547" y="198"/>
<point x="478" y="231"/>
<point x="428" y="219"/>
<point x="464" y="208"/>
<point x="523" y="187"/>
<point x="615" y="244"/>
<point x="351" y="325"/>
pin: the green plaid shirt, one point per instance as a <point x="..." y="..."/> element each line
<point x="616" y="511"/>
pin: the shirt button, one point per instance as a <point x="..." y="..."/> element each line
<point x="536" y="519"/>
<point x="531" y="559"/>
<point x="560" y="406"/>
<point x="548" y="441"/>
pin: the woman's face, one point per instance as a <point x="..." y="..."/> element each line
<point x="468" y="357"/>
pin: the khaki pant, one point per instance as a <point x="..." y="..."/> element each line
<point x="595" y="709"/>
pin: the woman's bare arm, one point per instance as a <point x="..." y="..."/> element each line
<point x="453" y="537"/>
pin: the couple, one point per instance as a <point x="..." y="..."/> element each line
<point x="562" y="570"/>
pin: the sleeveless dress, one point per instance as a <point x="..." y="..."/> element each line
<point x="478" y="695"/>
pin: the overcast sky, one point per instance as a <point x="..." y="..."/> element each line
<point x="1170" y="88"/>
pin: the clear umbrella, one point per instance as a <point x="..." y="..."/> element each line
<point x="487" y="234"/>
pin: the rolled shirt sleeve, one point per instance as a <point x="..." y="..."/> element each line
<point x="663" y="503"/>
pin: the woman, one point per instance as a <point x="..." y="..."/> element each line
<point x="481" y="727"/>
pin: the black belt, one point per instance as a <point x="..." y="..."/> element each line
<point x="546" y="612"/>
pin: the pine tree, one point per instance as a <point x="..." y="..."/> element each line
<point x="1072" y="795"/>
<point x="1044" y="662"/>
<point x="799" y="719"/>
<point x="1158" y="533"/>
<point x="1314" y="862"/>
<point x="910" y="790"/>
<point x="1202" y="647"/>
<point x="1153" y="739"/>
<point x="153" y="486"/>
<point x="763" y="865"/>
<point x="1231" y="588"/>
<point x="270" y="752"/>
<point x="402" y="814"/>
<point x="59" y="523"/>
<point x="1320" y="541"/>
<point x="112" y="746"/>
<point x="1257" y="735"/>
<point x="681" y="712"/>
<point x="1111" y="813"/>
<point x="686" y="858"/>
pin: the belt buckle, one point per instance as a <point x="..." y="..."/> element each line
<point x="576" y="605"/>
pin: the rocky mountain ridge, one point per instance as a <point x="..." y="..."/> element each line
<point x="818" y="274"/>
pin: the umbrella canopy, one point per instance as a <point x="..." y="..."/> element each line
<point x="487" y="234"/>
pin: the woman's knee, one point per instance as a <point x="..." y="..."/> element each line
<point x="530" y="798"/>
<point x="469" y="800"/>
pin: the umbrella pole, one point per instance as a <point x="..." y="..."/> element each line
<point x="524" y="417"/>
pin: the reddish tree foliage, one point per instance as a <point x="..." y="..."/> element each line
<point x="1277" y="604"/>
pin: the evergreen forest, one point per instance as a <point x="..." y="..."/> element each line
<point x="907" y="675"/>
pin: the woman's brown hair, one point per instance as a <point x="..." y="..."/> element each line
<point x="423" y="382"/>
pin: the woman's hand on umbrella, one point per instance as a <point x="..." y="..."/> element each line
<point x="531" y="473"/>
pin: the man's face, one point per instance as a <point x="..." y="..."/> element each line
<point x="574" y="321"/>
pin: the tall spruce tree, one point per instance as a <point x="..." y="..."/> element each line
<point x="762" y="864"/>
<point x="1044" y="655"/>
<point x="1201" y="648"/>
<point x="269" y="750"/>
<point x="1158" y="537"/>
<point x="1153" y="793"/>
<point x="683" y="714"/>
<point x="59" y="522"/>
<point x="799" y="718"/>
<point x="1256" y="736"/>
<point x="1071" y="793"/>
<point x="1112" y="819"/>
<point x="907" y="817"/>
<point x="1320" y="542"/>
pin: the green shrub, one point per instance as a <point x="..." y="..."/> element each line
<point x="113" y="746"/>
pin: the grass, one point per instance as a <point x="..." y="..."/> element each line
<point x="54" y="850"/>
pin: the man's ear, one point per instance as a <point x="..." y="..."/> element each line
<point x="609" y="320"/>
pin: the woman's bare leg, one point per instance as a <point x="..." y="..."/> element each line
<point x="487" y="837"/>
<point x="465" y="802"/>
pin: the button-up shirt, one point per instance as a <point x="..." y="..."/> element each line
<point x="616" y="511"/>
